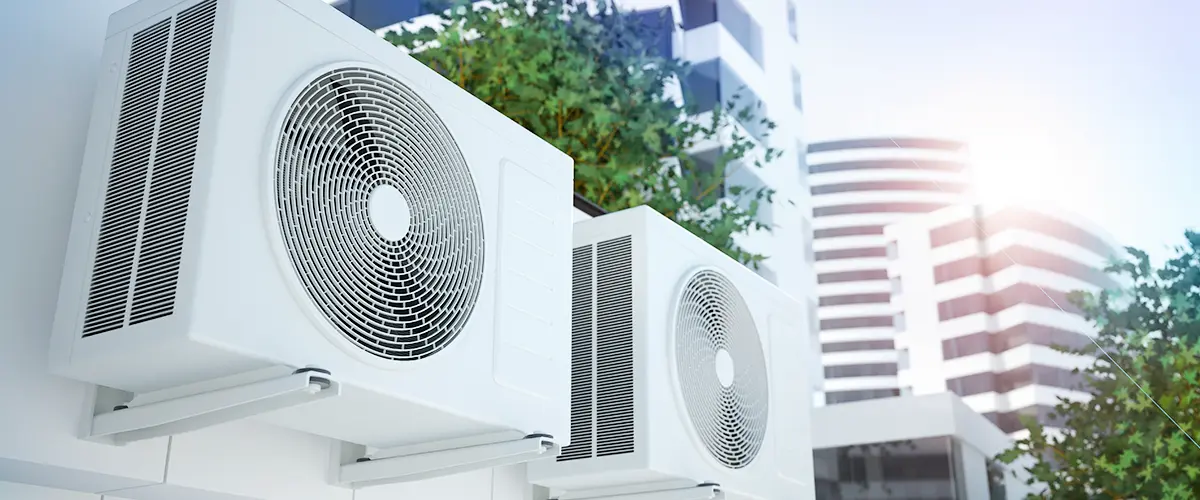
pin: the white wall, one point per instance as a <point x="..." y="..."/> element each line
<point x="51" y="52"/>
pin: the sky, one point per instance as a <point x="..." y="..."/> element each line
<point x="1091" y="106"/>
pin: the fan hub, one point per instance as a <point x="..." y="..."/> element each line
<point x="724" y="367"/>
<point x="389" y="212"/>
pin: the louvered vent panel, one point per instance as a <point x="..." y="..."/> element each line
<point x="174" y="161"/>
<point x="137" y="258"/>
<point x="112" y="270"/>
<point x="583" y="340"/>
<point x="614" y="347"/>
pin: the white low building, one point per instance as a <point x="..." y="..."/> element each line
<point x="928" y="447"/>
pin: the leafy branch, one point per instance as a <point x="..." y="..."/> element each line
<point x="1122" y="442"/>
<point x="586" y="82"/>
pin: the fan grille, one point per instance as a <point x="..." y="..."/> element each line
<point x="402" y="294"/>
<point x="713" y="327"/>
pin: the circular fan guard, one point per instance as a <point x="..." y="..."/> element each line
<point x="351" y="133"/>
<point x="729" y="410"/>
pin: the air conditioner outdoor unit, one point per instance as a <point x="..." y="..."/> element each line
<point x="268" y="186"/>
<point x="687" y="370"/>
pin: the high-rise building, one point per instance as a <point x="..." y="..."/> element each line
<point x="980" y="296"/>
<point x="857" y="187"/>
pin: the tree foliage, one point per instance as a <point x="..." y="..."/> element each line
<point x="1121" y="444"/>
<point x="586" y="83"/>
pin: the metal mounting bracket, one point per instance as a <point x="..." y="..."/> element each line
<point x="703" y="491"/>
<point x="412" y="463"/>
<point x="178" y="410"/>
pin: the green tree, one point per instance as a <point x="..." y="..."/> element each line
<point x="585" y="82"/>
<point x="1122" y="444"/>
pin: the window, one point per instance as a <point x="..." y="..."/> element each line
<point x="737" y="175"/>
<point x="702" y="86"/>
<point x="810" y="255"/>
<point x="1029" y="294"/>
<point x="893" y="250"/>
<point x="965" y="346"/>
<point x="867" y="370"/>
<point x="856" y="298"/>
<point x="877" y="208"/>
<point x="844" y="276"/>
<point x="962" y="306"/>
<point x="713" y="83"/>
<point x="1040" y="375"/>
<point x="814" y="322"/>
<point x="377" y="14"/>
<point x="836" y="397"/>
<point x="767" y="273"/>
<point x="841" y="166"/>
<point x="996" y="474"/>
<point x="705" y="165"/>
<point x="802" y="162"/>
<point x="858" y="345"/>
<point x="899" y="185"/>
<point x="858" y="322"/>
<point x="888" y="142"/>
<point x="731" y="15"/>
<point x="1017" y="218"/>
<point x="851" y="253"/>
<point x="897" y="286"/>
<point x="953" y="232"/>
<point x="902" y="359"/>
<point x="743" y="179"/>
<point x="1010" y="421"/>
<point x="961" y="268"/>
<point x="697" y="13"/>
<point x="793" y="29"/>
<point x="1016" y="378"/>
<point x="797" y="92"/>
<point x="657" y="30"/>
<point x="1024" y="256"/>
<point x="1026" y="333"/>
<point x="848" y="231"/>
<point x="977" y="383"/>
<point x="1027" y="219"/>
<point x="899" y="323"/>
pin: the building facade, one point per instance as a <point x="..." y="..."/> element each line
<point x="980" y="297"/>
<point x="857" y="187"/>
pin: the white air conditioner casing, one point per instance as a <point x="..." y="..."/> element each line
<point x="232" y="221"/>
<point x="646" y="299"/>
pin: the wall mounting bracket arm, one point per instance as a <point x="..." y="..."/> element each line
<point x="703" y="491"/>
<point x="178" y="410"/>
<point x="412" y="463"/>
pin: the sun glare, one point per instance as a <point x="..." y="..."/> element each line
<point x="1015" y="166"/>
<point x="1015" y="156"/>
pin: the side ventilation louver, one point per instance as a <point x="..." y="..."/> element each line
<point x="602" y="404"/>
<point x="583" y="391"/>
<point x="140" y="245"/>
